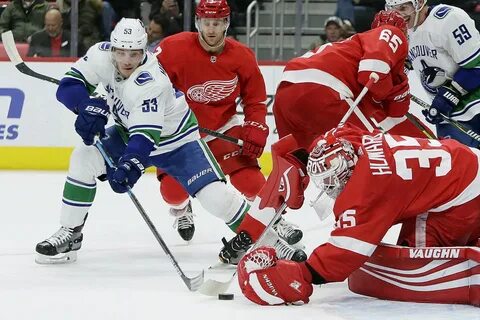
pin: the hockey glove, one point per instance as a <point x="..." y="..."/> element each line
<point x="446" y="99"/>
<point x="398" y="101"/>
<point x="288" y="179"/>
<point x="129" y="169"/>
<point x="265" y="280"/>
<point x="254" y="136"/>
<point x="91" y="120"/>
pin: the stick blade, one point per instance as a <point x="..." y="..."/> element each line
<point x="195" y="283"/>
<point x="213" y="287"/>
<point x="10" y="47"/>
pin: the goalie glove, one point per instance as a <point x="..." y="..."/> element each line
<point x="445" y="101"/>
<point x="288" y="179"/>
<point x="265" y="280"/>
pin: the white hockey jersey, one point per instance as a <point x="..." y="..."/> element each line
<point x="145" y="103"/>
<point x="445" y="41"/>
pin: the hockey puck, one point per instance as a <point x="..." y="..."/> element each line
<point x="225" y="296"/>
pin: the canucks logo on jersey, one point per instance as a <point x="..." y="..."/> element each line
<point x="432" y="77"/>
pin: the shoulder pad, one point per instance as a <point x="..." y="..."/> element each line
<point x="104" y="46"/>
<point x="143" y="77"/>
<point x="441" y="11"/>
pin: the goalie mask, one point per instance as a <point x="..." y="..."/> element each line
<point x="330" y="165"/>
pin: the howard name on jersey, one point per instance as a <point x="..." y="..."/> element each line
<point x="445" y="41"/>
<point x="145" y="103"/>
<point x="395" y="178"/>
<point x="212" y="83"/>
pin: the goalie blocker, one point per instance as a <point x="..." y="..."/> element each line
<point x="427" y="274"/>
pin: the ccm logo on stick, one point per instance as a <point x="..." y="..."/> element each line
<point x="9" y="130"/>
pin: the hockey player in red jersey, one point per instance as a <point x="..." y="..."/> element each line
<point x="377" y="180"/>
<point x="213" y="71"/>
<point x="311" y="97"/>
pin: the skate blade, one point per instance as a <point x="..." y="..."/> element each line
<point x="61" y="258"/>
<point x="298" y="245"/>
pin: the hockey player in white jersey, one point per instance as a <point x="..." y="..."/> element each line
<point x="153" y="127"/>
<point x="444" y="50"/>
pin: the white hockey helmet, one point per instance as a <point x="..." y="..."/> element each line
<point x="389" y="4"/>
<point x="417" y="7"/>
<point x="129" y="34"/>
<point x="330" y="165"/>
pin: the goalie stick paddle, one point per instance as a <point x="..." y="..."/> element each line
<point x="14" y="56"/>
<point x="192" y="283"/>
<point x="469" y="132"/>
<point x="214" y="287"/>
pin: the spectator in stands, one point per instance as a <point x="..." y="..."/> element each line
<point x="172" y="10"/>
<point x="114" y="10"/>
<point x="24" y="18"/>
<point x="156" y="31"/>
<point x="89" y="21"/>
<point x="335" y="30"/>
<point x="345" y="10"/>
<point x="51" y="41"/>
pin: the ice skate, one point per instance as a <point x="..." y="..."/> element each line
<point x="184" y="221"/>
<point x="287" y="252"/>
<point x="61" y="247"/>
<point x="288" y="232"/>
<point x="235" y="249"/>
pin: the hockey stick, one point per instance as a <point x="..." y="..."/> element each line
<point x="14" y="56"/>
<point x="469" y="132"/>
<point x="192" y="283"/>
<point x="353" y="104"/>
<point x="213" y="287"/>
<point x="417" y="123"/>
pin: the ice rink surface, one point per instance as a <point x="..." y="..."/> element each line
<point x="122" y="272"/>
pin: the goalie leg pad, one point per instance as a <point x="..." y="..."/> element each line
<point x="426" y="274"/>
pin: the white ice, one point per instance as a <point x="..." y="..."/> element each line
<point x="122" y="272"/>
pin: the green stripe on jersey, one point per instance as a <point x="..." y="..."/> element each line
<point x="153" y="134"/>
<point x="211" y="159"/>
<point x="73" y="74"/>
<point x="77" y="193"/>
<point x="189" y="124"/>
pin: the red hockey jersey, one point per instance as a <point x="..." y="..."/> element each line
<point x="212" y="82"/>
<point x="395" y="178"/>
<point x="346" y="66"/>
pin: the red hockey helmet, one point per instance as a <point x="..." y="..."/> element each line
<point x="213" y="9"/>
<point x="392" y="18"/>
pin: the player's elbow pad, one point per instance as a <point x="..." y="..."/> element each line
<point x="71" y="92"/>
<point x="468" y="79"/>
<point x="139" y="145"/>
